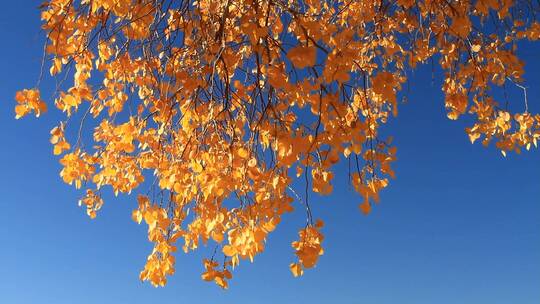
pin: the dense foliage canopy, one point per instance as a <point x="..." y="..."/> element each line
<point x="227" y="102"/>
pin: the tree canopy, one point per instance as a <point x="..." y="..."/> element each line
<point x="224" y="104"/>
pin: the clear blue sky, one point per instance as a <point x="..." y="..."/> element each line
<point x="460" y="224"/>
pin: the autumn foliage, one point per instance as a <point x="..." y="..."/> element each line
<point x="221" y="104"/>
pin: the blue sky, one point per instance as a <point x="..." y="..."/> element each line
<point x="460" y="224"/>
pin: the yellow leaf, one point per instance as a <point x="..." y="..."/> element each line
<point x="136" y="215"/>
<point x="207" y="276"/>
<point x="243" y="153"/>
<point x="296" y="269"/>
<point x="302" y="56"/>
<point x="299" y="171"/>
<point x="20" y="111"/>
<point x="252" y="162"/>
<point x="229" y="250"/>
<point x="197" y="167"/>
<point x="365" y="207"/>
<point x="221" y="282"/>
<point x="60" y="147"/>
